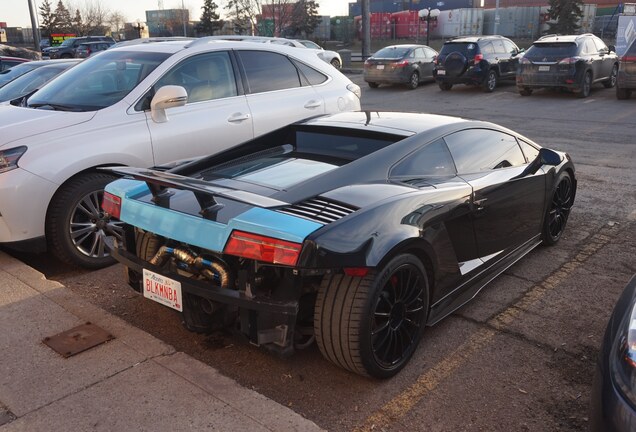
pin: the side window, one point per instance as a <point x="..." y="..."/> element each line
<point x="412" y="54"/>
<point x="499" y="47"/>
<point x="600" y="45"/>
<point x="432" y="160"/>
<point x="529" y="150"/>
<point x="510" y="47"/>
<point x="487" y="48"/>
<point x="267" y="71"/>
<point x="477" y="150"/>
<point x="312" y="76"/>
<point x="430" y="53"/>
<point x="589" y="47"/>
<point x="205" y="77"/>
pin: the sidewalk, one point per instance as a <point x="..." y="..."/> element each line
<point x="135" y="382"/>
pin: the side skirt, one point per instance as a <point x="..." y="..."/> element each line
<point x="469" y="289"/>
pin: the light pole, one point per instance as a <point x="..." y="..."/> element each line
<point x="429" y="14"/>
<point x="183" y="18"/>
<point x="36" y="34"/>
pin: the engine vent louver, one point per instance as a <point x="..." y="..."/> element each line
<point x="321" y="210"/>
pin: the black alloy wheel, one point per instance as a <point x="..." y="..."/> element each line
<point x="611" y="81"/>
<point x="372" y="325"/>
<point x="414" y="80"/>
<point x="77" y="229"/>
<point x="586" y="85"/>
<point x="559" y="210"/>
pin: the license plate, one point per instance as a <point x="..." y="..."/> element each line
<point x="441" y="72"/>
<point x="380" y="67"/>
<point x="163" y="290"/>
<point x="544" y="68"/>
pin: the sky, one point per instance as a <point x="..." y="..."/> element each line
<point x="16" y="12"/>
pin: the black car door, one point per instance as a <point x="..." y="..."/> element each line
<point x="607" y="59"/>
<point x="507" y="202"/>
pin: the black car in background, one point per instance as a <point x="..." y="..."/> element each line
<point x="614" y="390"/>
<point x="572" y="62"/>
<point x="626" y="79"/>
<point x="400" y="64"/>
<point x="68" y="47"/>
<point x="87" y="49"/>
<point x="9" y="62"/>
<point x="476" y="60"/>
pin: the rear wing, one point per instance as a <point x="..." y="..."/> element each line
<point x="159" y="181"/>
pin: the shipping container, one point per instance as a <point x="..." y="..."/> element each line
<point x="514" y="22"/>
<point x="391" y="6"/>
<point x="459" y="22"/>
<point x="408" y="25"/>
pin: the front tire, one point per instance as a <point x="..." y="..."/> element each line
<point x="611" y="81"/>
<point x="557" y="216"/>
<point x="371" y="325"/>
<point x="77" y="230"/>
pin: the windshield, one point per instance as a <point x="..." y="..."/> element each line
<point x="67" y="42"/>
<point x="98" y="82"/>
<point x="391" y="53"/>
<point x="16" y="71"/>
<point x="28" y="82"/>
<point x="468" y="49"/>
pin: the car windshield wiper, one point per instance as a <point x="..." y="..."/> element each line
<point x="55" y="107"/>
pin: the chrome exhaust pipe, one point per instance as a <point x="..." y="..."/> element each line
<point x="208" y="268"/>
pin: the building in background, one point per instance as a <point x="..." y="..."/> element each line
<point x="392" y="6"/>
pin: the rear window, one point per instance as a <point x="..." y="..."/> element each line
<point x="391" y="53"/>
<point x="552" y="49"/>
<point x="468" y="49"/>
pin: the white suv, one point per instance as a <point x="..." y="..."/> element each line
<point x="143" y="105"/>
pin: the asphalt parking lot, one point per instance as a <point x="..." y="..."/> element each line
<point x="521" y="355"/>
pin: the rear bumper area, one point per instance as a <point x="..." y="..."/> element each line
<point x="393" y="77"/>
<point x="472" y="76"/>
<point x="567" y="79"/>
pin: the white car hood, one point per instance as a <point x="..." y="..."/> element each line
<point x="17" y="123"/>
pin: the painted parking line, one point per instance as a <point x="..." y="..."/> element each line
<point x="404" y="402"/>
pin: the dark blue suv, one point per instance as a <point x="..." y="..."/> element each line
<point x="476" y="60"/>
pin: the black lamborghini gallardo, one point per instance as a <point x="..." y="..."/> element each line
<point x="355" y="230"/>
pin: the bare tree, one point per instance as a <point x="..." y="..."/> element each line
<point x="281" y="13"/>
<point x="244" y="14"/>
<point x="116" y="21"/>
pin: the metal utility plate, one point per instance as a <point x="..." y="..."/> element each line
<point x="78" y="339"/>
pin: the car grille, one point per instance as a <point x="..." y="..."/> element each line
<point x="321" y="210"/>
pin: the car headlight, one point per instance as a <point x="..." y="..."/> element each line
<point x="623" y="358"/>
<point x="9" y="158"/>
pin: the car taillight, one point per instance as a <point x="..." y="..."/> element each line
<point x="435" y="60"/>
<point x="111" y="204"/>
<point x="401" y="64"/>
<point x="367" y="63"/>
<point x="261" y="248"/>
<point x="628" y="58"/>
<point x="569" y="60"/>
<point x="478" y="58"/>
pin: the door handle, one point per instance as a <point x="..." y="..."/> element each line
<point x="238" y="117"/>
<point x="478" y="203"/>
<point x="313" y="104"/>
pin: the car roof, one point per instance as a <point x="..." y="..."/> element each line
<point x="404" y="46"/>
<point x="398" y="123"/>
<point x="14" y="58"/>
<point x="562" y="38"/>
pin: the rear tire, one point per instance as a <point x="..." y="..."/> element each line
<point x="371" y="325"/>
<point x="444" y="86"/>
<point x="491" y="81"/>
<point x="373" y="85"/>
<point x="526" y="91"/>
<point x="335" y="63"/>
<point x="77" y="230"/>
<point x="623" y="94"/>
<point x="586" y="85"/>
<point x="414" y="81"/>
<point x="611" y="81"/>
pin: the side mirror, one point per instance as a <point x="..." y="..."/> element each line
<point x="169" y="96"/>
<point x="549" y="157"/>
